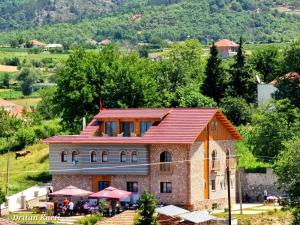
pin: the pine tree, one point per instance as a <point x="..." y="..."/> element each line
<point x="147" y="204"/>
<point x="213" y="86"/>
<point x="243" y="82"/>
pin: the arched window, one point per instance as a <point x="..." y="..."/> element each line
<point x="63" y="156"/>
<point x="214" y="155"/>
<point x="134" y="156"/>
<point x="214" y="158"/>
<point x="75" y="156"/>
<point x="123" y="157"/>
<point x="104" y="156"/>
<point x="165" y="159"/>
<point x="93" y="156"/>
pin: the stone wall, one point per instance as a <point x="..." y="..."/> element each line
<point x="179" y="174"/>
<point x="254" y="184"/>
<point x="80" y="181"/>
<point x="120" y="182"/>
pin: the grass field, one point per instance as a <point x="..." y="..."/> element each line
<point x="27" y="102"/>
<point x="25" y="172"/>
<point x="274" y="217"/>
<point x="28" y="56"/>
<point x="8" y="69"/>
<point x="12" y="94"/>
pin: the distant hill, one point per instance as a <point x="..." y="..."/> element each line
<point x="79" y="21"/>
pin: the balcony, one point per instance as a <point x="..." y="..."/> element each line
<point x="166" y="168"/>
<point x="231" y="163"/>
<point x="215" y="165"/>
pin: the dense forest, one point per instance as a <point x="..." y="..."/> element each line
<point x="79" y="21"/>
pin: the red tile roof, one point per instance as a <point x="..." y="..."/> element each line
<point x="11" y="107"/>
<point x="132" y="113"/>
<point x="179" y="125"/>
<point x="226" y="43"/>
<point x="293" y="76"/>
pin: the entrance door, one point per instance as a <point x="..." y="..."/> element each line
<point x="102" y="185"/>
<point x="100" y="182"/>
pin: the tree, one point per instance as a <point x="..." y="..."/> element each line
<point x="292" y="57"/>
<point x="2" y="199"/>
<point x="236" y="109"/>
<point x="273" y="124"/>
<point x="121" y="80"/>
<point x="46" y="107"/>
<point x="287" y="168"/>
<point x="5" y="81"/>
<point x="213" y="84"/>
<point x="242" y="81"/>
<point x="267" y="62"/>
<point x="190" y="96"/>
<point x="288" y="88"/>
<point x="147" y="204"/>
<point x="27" y="78"/>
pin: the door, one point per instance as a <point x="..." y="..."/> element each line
<point x="102" y="185"/>
<point x="100" y="182"/>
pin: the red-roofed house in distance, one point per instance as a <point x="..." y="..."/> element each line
<point x="178" y="154"/>
<point x="12" y="108"/>
<point x="227" y="48"/>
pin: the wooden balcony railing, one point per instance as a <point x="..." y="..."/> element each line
<point x="165" y="167"/>
<point x="231" y="163"/>
<point x="215" y="165"/>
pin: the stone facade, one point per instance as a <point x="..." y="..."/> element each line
<point x="120" y="182"/>
<point x="80" y="181"/>
<point x="254" y="184"/>
<point x="186" y="176"/>
<point x="217" y="197"/>
<point x="179" y="174"/>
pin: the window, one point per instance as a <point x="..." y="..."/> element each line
<point x="144" y="126"/>
<point x="127" y="128"/>
<point x="214" y="155"/>
<point x="165" y="187"/>
<point x="123" y="157"/>
<point x="134" y="156"/>
<point x="64" y="156"/>
<point x="93" y="156"/>
<point x="165" y="159"/>
<point x="104" y="156"/>
<point x="75" y="156"/>
<point x="213" y="125"/>
<point x="213" y="185"/>
<point x="110" y="128"/>
<point x="133" y="187"/>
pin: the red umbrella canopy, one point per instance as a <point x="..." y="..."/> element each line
<point x="111" y="193"/>
<point x="71" y="191"/>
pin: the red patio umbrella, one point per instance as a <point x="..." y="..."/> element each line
<point x="70" y="191"/>
<point x="111" y="193"/>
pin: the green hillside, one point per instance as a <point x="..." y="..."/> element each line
<point x="79" y="21"/>
<point x="25" y="172"/>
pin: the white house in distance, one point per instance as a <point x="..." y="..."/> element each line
<point x="265" y="91"/>
<point x="226" y="48"/>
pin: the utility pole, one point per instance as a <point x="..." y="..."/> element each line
<point x="240" y="190"/>
<point x="8" y="151"/>
<point x="228" y="189"/>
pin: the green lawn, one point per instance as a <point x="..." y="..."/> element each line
<point x="25" y="172"/>
<point x="28" y="56"/>
<point x="27" y="102"/>
<point x="12" y="94"/>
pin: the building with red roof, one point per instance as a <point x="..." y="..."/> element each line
<point x="226" y="48"/>
<point x="178" y="154"/>
<point x="12" y="108"/>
